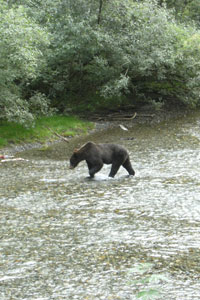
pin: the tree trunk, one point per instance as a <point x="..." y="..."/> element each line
<point x="100" y="9"/>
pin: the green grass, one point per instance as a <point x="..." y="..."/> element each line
<point x="41" y="132"/>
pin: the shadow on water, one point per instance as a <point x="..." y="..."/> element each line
<point x="63" y="236"/>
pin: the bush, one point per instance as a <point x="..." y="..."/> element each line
<point x="138" y="51"/>
<point x="39" y="105"/>
<point x="21" y="44"/>
<point x="192" y="12"/>
<point x="129" y="51"/>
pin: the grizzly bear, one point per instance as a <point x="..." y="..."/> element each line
<point x="96" y="155"/>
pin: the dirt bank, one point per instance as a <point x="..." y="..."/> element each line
<point x="105" y="120"/>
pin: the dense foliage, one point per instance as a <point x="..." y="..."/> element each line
<point x="21" y="45"/>
<point x="97" y="53"/>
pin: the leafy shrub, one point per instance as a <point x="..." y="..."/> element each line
<point x="132" y="51"/>
<point x="138" y="50"/>
<point x="14" y="109"/>
<point x="39" y="105"/>
<point x="21" y="42"/>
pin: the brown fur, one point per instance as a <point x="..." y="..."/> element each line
<point x="96" y="155"/>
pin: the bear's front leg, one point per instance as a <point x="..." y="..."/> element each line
<point x="93" y="169"/>
<point x="127" y="165"/>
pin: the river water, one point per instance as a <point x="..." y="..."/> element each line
<point x="63" y="236"/>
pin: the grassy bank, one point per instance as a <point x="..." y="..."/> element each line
<point x="11" y="133"/>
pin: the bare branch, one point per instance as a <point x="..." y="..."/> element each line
<point x="57" y="134"/>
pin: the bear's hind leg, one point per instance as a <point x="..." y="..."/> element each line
<point x="114" y="169"/>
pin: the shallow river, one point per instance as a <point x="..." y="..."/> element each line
<point x="63" y="236"/>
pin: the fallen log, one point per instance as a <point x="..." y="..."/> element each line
<point x="114" y="117"/>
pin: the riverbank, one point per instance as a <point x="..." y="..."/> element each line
<point x="47" y="130"/>
<point x="50" y="130"/>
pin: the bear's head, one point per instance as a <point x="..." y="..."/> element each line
<point x="75" y="159"/>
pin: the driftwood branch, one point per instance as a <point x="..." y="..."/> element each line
<point x="57" y="134"/>
<point x="117" y="117"/>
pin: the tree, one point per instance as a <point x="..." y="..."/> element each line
<point x="21" y="46"/>
<point x="192" y="12"/>
<point x="137" y="51"/>
<point x="98" y="52"/>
